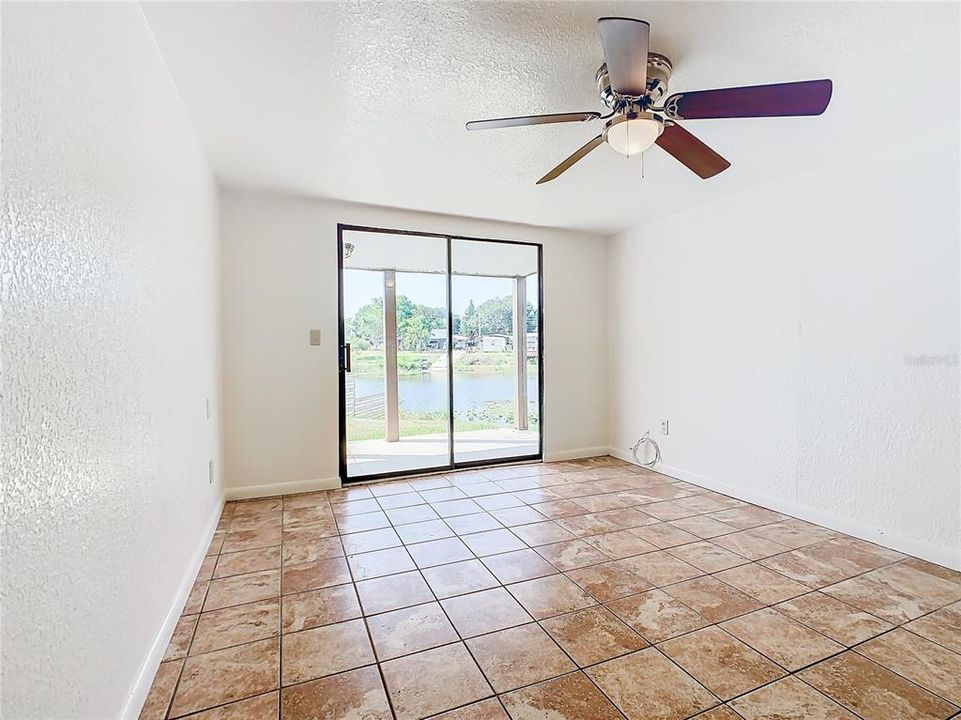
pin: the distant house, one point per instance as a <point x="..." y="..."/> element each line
<point x="495" y="343"/>
<point x="532" y="344"/>
<point x="438" y="341"/>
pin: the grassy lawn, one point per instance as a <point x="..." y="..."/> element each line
<point x="371" y="362"/>
<point x="493" y="415"/>
<point x="411" y="424"/>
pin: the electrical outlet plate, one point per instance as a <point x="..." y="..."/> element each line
<point x="665" y="427"/>
<point x="210" y="472"/>
<point x="315" y="337"/>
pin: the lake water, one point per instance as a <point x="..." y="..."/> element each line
<point x="428" y="392"/>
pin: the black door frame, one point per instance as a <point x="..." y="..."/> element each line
<point x="341" y="355"/>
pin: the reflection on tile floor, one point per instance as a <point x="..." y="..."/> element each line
<point x="588" y="590"/>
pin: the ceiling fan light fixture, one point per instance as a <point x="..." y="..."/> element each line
<point x="633" y="133"/>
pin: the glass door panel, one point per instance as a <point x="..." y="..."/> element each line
<point x="495" y="301"/>
<point x="395" y="370"/>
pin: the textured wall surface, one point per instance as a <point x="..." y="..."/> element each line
<point x="280" y="280"/>
<point x="807" y="353"/>
<point x="110" y="344"/>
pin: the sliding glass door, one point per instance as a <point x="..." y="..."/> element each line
<point x="440" y="352"/>
<point x="495" y="296"/>
<point x="396" y="407"/>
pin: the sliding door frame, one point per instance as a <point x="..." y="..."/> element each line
<point x="342" y="357"/>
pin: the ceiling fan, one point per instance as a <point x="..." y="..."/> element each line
<point x="633" y="80"/>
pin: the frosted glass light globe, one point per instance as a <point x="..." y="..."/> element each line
<point x="633" y="133"/>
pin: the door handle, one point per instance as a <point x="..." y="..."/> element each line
<point x="346" y="361"/>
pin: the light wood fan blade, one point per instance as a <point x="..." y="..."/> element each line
<point x="691" y="152"/>
<point x="625" y="42"/>
<point x="523" y="120"/>
<point x="577" y="155"/>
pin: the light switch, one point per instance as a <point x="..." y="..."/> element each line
<point x="315" y="337"/>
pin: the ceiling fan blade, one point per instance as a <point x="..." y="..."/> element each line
<point x="531" y="120"/>
<point x="625" y="44"/>
<point x="810" y="97"/>
<point x="697" y="156"/>
<point x="577" y="155"/>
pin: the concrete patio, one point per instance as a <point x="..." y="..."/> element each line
<point x="368" y="457"/>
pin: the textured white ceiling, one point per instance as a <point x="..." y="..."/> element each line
<point x="366" y="102"/>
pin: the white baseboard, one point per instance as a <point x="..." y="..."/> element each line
<point x="561" y="455"/>
<point x="148" y="668"/>
<point x="895" y="541"/>
<point x="246" y="492"/>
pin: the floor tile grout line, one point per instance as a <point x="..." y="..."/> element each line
<point x="781" y="679"/>
<point x="464" y="640"/>
<point x="705" y="574"/>
<point x="900" y="674"/>
<point x="577" y="671"/>
<point x="703" y="627"/>
<point x="598" y="601"/>
<point x="914" y="632"/>
<point x="792" y="673"/>
<point x="808" y="625"/>
<point x="457" y="632"/>
<point x="836" y="702"/>
<point x="844" y="647"/>
<point x="578" y="668"/>
<point x="787" y="673"/>
<point x="173" y="695"/>
<point x="373" y="649"/>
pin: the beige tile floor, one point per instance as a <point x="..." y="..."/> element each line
<point x="589" y="589"/>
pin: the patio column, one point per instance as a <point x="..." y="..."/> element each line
<point x="520" y="352"/>
<point x="391" y="396"/>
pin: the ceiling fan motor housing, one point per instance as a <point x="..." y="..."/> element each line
<point x="658" y="75"/>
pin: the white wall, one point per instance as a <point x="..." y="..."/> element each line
<point x="110" y="271"/>
<point x="776" y="330"/>
<point x="280" y="280"/>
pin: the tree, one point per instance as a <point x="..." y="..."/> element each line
<point x="436" y="317"/>
<point x="365" y="329"/>
<point x="468" y="324"/>
<point x="415" y="322"/>
<point x="413" y="333"/>
<point x="405" y="309"/>
<point x="496" y="316"/>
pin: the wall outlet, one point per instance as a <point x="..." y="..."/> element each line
<point x="315" y="337"/>
<point x="210" y="472"/>
<point x="665" y="427"/>
<point x="207" y="406"/>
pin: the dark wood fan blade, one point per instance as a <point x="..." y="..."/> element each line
<point x="578" y="155"/>
<point x="697" y="156"/>
<point x="531" y="120"/>
<point x="810" y="97"/>
<point x="625" y="44"/>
